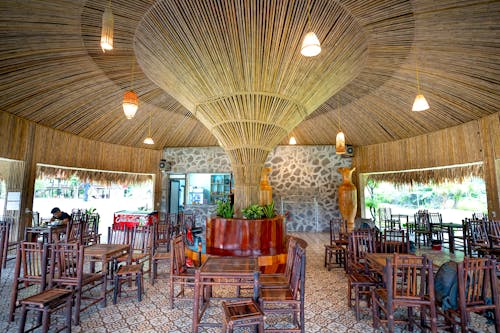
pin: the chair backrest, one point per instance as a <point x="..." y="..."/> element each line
<point x="75" y="229"/>
<point x="435" y="218"/>
<point x="476" y="233"/>
<point x="297" y="279"/>
<point x="119" y="234"/>
<point x="477" y="284"/>
<point x="142" y="239"/>
<point x="422" y="222"/>
<point x="32" y="260"/>
<point x="178" y="262"/>
<point x="409" y="277"/>
<point x="162" y="233"/>
<point x="292" y="242"/>
<point x="360" y="243"/>
<point x="67" y="259"/>
<point x="395" y="241"/>
<point x="338" y="227"/>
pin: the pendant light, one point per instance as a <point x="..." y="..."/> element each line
<point x="292" y="141"/>
<point x="420" y="103"/>
<point x="310" y="46"/>
<point x="107" y="29"/>
<point x="149" y="140"/>
<point x="130" y="99"/>
<point x="340" y="138"/>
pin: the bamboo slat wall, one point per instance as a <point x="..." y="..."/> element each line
<point x="14" y="137"/>
<point x="451" y="146"/>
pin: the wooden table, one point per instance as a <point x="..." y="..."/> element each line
<point x="227" y="271"/>
<point x="450" y="229"/>
<point x="45" y="231"/>
<point x="104" y="253"/>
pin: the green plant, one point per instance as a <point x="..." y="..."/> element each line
<point x="224" y="209"/>
<point x="253" y="212"/>
<point x="269" y="210"/>
<point x="90" y="211"/>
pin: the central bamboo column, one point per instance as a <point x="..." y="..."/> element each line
<point x="246" y="164"/>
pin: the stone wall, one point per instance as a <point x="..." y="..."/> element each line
<point x="304" y="180"/>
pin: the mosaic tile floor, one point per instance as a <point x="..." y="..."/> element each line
<point x="326" y="308"/>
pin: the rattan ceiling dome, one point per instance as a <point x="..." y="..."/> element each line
<point x="193" y="56"/>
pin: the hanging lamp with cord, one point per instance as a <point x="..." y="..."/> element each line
<point x="340" y="138"/>
<point x="149" y="139"/>
<point x="107" y="29"/>
<point x="130" y="99"/>
<point x="420" y="103"/>
<point x="292" y="141"/>
<point x="310" y="45"/>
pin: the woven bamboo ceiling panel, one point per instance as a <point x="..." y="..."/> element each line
<point x="201" y="66"/>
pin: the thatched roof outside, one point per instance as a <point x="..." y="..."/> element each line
<point x="44" y="171"/>
<point x="453" y="173"/>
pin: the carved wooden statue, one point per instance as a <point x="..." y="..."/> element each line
<point x="348" y="198"/>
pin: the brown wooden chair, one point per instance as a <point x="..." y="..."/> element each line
<point x="335" y="252"/>
<point x="3" y="237"/>
<point x="180" y="273"/>
<point x="242" y="314"/>
<point x="161" y="250"/>
<point x="66" y="270"/>
<point x="8" y="245"/>
<point x="90" y="234"/>
<point x="30" y="269"/>
<point x="142" y="246"/>
<point x="123" y="274"/>
<point x="289" y="300"/>
<point x="409" y="283"/>
<point x="359" y="279"/>
<point x="395" y="241"/>
<point x="47" y="302"/>
<point x="281" y="280"/>
<point x="422" y="228"/>
<point x="477" y="292"/>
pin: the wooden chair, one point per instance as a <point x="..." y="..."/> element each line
<point x="75" y="229"/>
<point x="281" y="280"/>
<point x="422" y="229"/>
<point x="30" y="269"/>
<point x="91" y="233"/>
<point x="8" y="245"/>
<point x="66" y="270"/>
<point x="180" y="273"/>
<point x="477" y="292"/>
<point x="142" y="246"/>
<point x="123" y="274"/>
<point x="3" y="241"/>
<point x="173" y="219"/>
<point x="289" y="300"/>
<point x="241" y="314"/>
<point x="47" y="302"/>
<point x="436" y="221"/>
<point x="395" y="241"/>
<point x="359" y="278"/>
<point x="161" y="250"/>
<point x="335" y="252"/>
<point x="409" y="283"/>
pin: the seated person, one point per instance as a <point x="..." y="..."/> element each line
<point x="61" y="216"/>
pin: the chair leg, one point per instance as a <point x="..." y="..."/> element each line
<point x="115" y="288"/>
<point x="22" y="323"/>
<point x="68" y="314"/>
<point x="78" y="303"/>
<point x="45" y="321"/>
<point x="139" y="286"/>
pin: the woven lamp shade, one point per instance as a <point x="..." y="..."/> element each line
<point x="107" y="30"/>
<point x="420" y="103"/>
<point x="130" y="104"/>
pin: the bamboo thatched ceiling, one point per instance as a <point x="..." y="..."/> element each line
<point x="187" y="53"/>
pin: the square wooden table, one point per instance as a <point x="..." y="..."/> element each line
<point x="46" y="232"/>
<point x="222" y="271"/>
<point x="104" y="253"/>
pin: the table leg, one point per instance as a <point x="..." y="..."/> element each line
<point x="105" y="283"/>
<point x="196" y="301"/>
<point x="451" y="239"/>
